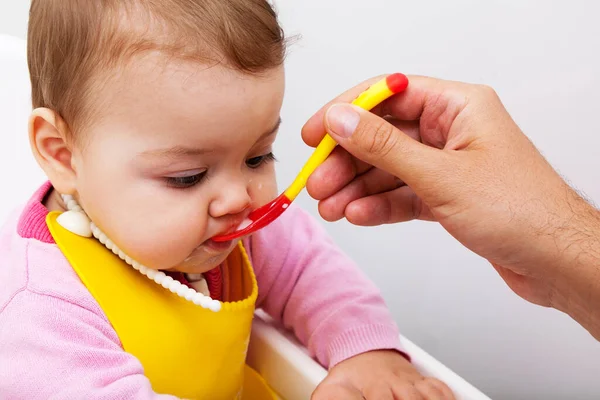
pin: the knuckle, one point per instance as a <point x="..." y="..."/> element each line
<point x="412" y="393"/>
<point x="379" y="138"/>
<point x="440" y="386"/>
<point x="487" y="91"/>
<point x="327" y="392"/>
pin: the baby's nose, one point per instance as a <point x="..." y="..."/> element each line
<point x="232" y="198"/>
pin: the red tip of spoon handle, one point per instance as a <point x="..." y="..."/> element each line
<point x="397" y="82"/>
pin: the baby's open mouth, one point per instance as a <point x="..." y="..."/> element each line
<point x="234" y="228"/>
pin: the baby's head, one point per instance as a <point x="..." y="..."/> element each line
<point x="159" y="117"/>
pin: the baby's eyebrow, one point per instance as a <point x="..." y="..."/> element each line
<point x="183" y="151"/>
<point x="176" y="151"/>
<point x="271" y="131"/>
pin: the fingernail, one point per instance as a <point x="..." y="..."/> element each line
<point x="342" y="120"/>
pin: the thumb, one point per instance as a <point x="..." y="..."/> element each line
<point x="377" y="142"/>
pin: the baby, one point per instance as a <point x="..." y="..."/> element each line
<point x="156" y="120"/>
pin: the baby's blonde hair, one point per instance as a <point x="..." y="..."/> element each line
<point x="73" y="44"/>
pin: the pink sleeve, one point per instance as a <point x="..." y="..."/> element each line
<point x="64" y="351"/>
<point x="307" y="283"/>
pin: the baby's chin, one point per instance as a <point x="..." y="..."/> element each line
<point x="202" y="259"/>
<point x="200" y="262"/>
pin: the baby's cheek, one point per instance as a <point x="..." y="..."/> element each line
<point x="263" y="190"/>
<point x="165" y="240"/>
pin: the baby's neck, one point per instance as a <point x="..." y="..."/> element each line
<point x="53" y="201"/>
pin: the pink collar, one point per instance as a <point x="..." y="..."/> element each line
<point x="32" y="222"/>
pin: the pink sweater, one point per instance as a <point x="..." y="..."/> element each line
<point x="56" y="342"/>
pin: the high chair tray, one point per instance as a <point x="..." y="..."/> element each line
<point x="293" y="374"/>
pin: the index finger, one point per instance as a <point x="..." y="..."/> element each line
<point x="422" y="92"/>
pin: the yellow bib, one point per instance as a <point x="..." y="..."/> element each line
<point x="186" y="350"/>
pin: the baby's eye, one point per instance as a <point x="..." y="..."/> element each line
<point x="256" y="162"/>
<point x="184" y="182"/>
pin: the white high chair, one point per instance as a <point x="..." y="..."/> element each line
<point x="273" y="352"/>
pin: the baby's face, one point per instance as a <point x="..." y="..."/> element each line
<point x="181" y="152"/>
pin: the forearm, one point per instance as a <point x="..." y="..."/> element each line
<point x="311" y="286"/>
<point x="577" y="279"/>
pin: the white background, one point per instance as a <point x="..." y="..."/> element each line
<point x="543" y="57"/>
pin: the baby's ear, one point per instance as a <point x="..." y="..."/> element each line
<point x="48" y="140"/>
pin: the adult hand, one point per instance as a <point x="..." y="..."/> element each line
<point x="450" y="152"/>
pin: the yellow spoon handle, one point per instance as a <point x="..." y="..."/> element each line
<point x="367" y="100"/>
